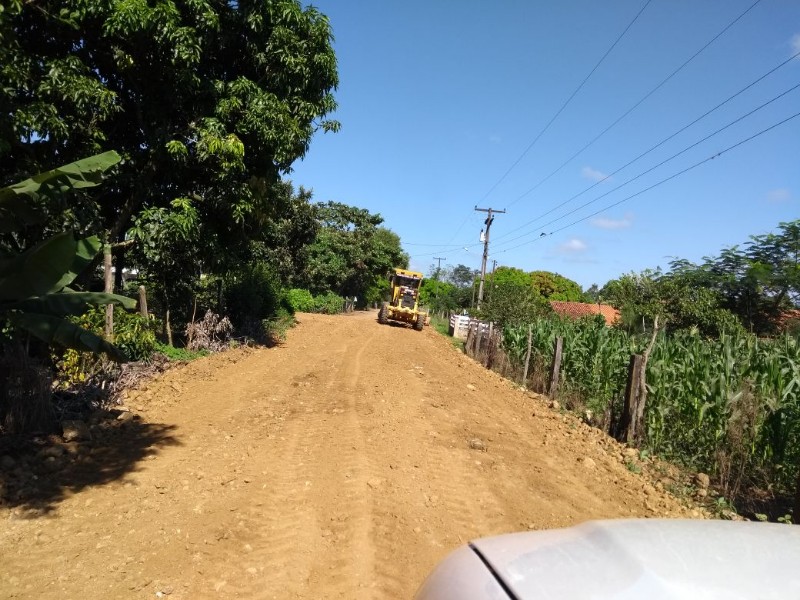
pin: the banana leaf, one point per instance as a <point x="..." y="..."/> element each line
<point x="70" y="303"/>
<point x="17" y="201"/>
<point x="47" y="267"/>
<point x="55" y="330"/>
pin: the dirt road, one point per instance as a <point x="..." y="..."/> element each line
<point x="337" y="465"/>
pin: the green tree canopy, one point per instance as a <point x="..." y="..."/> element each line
<point x="352" y="253"/>
<point x="206" y="101"/>
<point x="556" y="287"/>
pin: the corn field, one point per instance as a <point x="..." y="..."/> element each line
<point x="729" y="406"/>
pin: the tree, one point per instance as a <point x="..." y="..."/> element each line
<point x="352" y="254"/>
<point x="675" y="298"/>
<point x="553" y="286"/>
<point x="207" y="102"/>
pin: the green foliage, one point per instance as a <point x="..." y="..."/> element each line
<point x="729" y="406"/>
<point x="680" y="302"/>
<point x="351" y="254"/>
<point x="182" y="354"/>
<point x="553" y="286"/>
<point x="328" y="303"/>
<point x="133" y="335"/>
<point x="511" y="303"/>
<point x="252" y="294"/>
<point x="209" y="103"/>
<point x="753" y="286"/>
<point x="300" y="300"/>
<point x="34" y="296"/>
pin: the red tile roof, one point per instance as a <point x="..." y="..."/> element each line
<point x="576" y="310"/>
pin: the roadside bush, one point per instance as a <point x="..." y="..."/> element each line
<point x="252" y="294"/>
<point x="133" y="334"/>
<point x="300" y="300"/>
<point x="328" y="303"/>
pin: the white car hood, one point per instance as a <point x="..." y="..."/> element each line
<point x="648" y="559"/>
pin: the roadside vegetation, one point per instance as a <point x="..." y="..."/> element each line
<point x="723" y="375"/>
<point x="146" y="151"/>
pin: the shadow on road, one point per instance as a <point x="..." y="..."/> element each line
<point x="36" y="474"/>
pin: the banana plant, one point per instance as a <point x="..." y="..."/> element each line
<point x="34" y="286"/>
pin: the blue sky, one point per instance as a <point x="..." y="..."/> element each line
<point x="438" y="99"/>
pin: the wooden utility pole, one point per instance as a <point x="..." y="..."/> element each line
<point x="488" y="222"/>
<point x="438" y="266"/>
<point x="436" y="278"/>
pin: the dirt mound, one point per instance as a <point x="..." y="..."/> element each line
<point x="342" y="464"/>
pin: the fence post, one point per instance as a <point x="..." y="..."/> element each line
<point x="108" y="288"/>
<point x="627" y="430"/>
<point x="478" y="343"/>
<point x="556" y="368"/>
<point x="490" y="346"/>
<point x="142" y="301"/>
<point x="527" y="357"/>
<point x="468" y="341"/>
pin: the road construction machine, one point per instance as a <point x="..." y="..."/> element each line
<point x="404" y="305"/>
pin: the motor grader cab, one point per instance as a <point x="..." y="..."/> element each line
<point x="404" y="305"/>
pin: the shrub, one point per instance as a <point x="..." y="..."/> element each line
<point x="133" y="334"/>
<point x="328" y="303"/>
<point x="252" y="293"/>
<point x="300" y="300"/>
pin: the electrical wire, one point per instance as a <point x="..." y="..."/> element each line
<point x="566" y="102"/>
<point x="663" y="162"/>
<point x="635" y="106"/>
<point x="654" y="147"/>
<point x="658" y="183"/>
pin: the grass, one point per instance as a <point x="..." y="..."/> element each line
<point x="173" y="353"/>
<point x="443" y="326"/>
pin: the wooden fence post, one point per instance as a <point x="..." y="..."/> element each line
<point x="527" y="357"/>
<point x="489" y="347"/>
<point x="627" y="430"/>
<point x="108" y="288"/>
<point x="478" y="343"/>
<point x="556" y="368"/>
<point x="142" y="301"/>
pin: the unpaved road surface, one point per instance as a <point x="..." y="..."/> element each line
<point x="337" y="465"/>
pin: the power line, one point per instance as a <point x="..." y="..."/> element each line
<point x="744" y="116"/>
<point x="635" y="106"/>
<point x="661" y="182"/>
<point x="566" y="102"/>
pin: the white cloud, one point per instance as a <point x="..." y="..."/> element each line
<point x="607" y="223"/>
<point x="572" y="246"/>
<point x="593" y="174"/>
<point x="779" y="196"/>
<point x="796" y="43"/>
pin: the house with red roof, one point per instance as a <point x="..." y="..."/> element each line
<point x="577" y="310"/>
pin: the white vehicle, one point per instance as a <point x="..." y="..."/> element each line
<point x="626" y="560"/>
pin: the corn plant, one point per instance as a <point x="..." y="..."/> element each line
<point x="715" y="404"/>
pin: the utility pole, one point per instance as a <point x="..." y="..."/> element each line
<point x="488" y="222"/>
<point x="491" y="284"/>
<point x="438" y="266"/>
<point x="436" y="279"/>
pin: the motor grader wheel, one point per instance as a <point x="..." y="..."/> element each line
<point x="383" y="313"/>
<point x="419" y="323"/>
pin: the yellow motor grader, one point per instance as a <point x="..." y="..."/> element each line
<point x="404" y="305"/>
